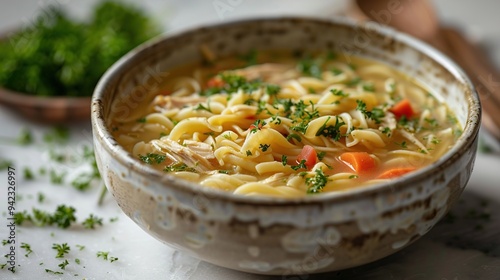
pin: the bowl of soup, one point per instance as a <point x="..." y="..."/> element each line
<point x="286" y="145"/>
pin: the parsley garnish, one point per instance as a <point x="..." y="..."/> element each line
<point x="62" y="217"/>
<point x="369" y="87"/>
<point x="375" y="114"/>
<point x="337" y="92"/>
<point x="354" y="81"/>
<point x="178" y="167"/>
<point x="294" y="136"/>
<point x="272" y="90"/>
<point x="331" y="131"/>
<point x="4" y="164"/>
<point x="28" y="174"/>
<point x="25" y="137"/>
<point x="92" y="221"/>
<point x="301" y="165"/>
<point x="402" y="144"/>
<point x="264" y="147"/>
<point x="284" y="160"/>
<point x="63" y="264"/>
<point x="151" y="158"/>
<point x="310" y="67"/>
<point x="202" y="107"/>
<point x="26" y="247"/>
<point x="105" y="255"/>
<point x="317" y="183"/>
<point x="53" y="272"/>
<point x="321" y="155"/>
<point x="62" y="249"/>
<point x="336" y="71"/>
<point x="249" y="153"/>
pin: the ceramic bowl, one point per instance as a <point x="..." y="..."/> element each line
<point x="265" y="235"/>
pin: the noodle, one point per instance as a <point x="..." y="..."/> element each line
<point x="246" y="130"/>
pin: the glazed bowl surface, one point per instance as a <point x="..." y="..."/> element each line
<point x="265" y="235"/>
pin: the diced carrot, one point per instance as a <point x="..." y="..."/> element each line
<point x="361" y="162"/>
<point x="215" y="82"/>
<point x="310" y="156"/>
<point x="402" y="108"/>
<point x="395" y="172"/>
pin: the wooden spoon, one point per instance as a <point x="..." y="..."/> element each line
<point x="418" y="18"/>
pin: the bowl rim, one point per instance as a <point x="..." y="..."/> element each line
<point x="463" y="144"/>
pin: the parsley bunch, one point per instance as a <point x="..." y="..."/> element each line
<point x="57" y="56"/>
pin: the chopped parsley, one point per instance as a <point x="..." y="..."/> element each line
<point x="375" y="114"/>
<point x="317" y="183"/>
<point x="28" y="174"/>
<point x="57" y="178"/>
<point x="92" y="221"/>
<point x="53" y="272"/>
<point x="152" y="158"/>
<point x="354" y="81"/>
<point x="310" y="67"/>
<point x="294" y="136"/>
<point x="63" y="264"/>
<point x="340" y="93"/>
<point x="284" y="160"/>
<point x="403" y="144"/>
<point x="202" y="107"/>
<point x="331" y="131"/>
<point x="233" y="83"/>
<point x="178" y="167"/>
<point x="25" y="137"/>
<point x="62" y="217"/>
<point x="272" y="90"/>
<point x="336" y="71"/>
<point x="301" y="165"/>
<point x="4" y="164"/>
<point x="264" y="147"/>
<point x="27" y="248"/>
<point x="105" y="256"/>
<point x="321" y="155"/>
<point x="61" y="249"/>
<point x="369" y="87"/>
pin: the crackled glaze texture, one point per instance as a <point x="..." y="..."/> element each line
<point x="277" y="236"/>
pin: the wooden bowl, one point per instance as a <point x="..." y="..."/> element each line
<point x="47" y="109"/>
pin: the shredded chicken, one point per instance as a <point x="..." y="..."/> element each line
<point x="197" y="155"/>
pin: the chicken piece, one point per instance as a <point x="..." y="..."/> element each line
<point x="197" y="155"/>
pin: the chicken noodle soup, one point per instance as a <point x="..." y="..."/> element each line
<point x="275" y="124"/>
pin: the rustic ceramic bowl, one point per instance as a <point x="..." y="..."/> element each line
<point x="265" y="235"/>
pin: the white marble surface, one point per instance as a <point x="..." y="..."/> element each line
<point x="465" y="248"/>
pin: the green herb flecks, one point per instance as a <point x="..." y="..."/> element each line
<point x="152" y="158"/>
<point x="61" y="249"/>
<point x="317" y="183"/>
<point x="57" y="56"/>
<point x="331" y="131"/>
<point x="178" y="167"/>
<point x="92" y="221"/>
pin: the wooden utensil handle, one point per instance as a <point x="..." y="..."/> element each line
<point x="482" y="73"/>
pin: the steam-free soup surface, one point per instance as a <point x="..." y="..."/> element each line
<point x="276" y="124"/>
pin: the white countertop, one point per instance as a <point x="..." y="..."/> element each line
<point x="466" y="248"/>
